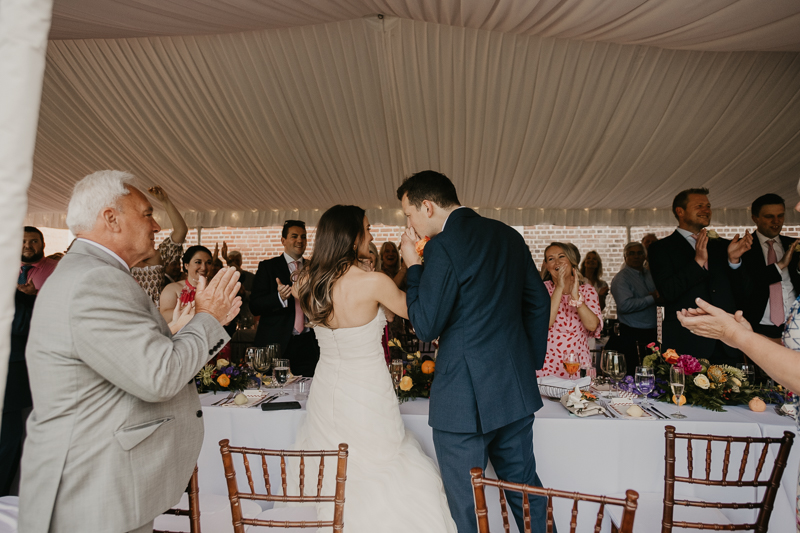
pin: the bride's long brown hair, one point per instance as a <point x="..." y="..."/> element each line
<point x="339" y="233"/>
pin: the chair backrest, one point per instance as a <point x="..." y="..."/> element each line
<point x="235" y="495"/>
<point x="751" y="445"/>
<point x="478" y="482"/>
<point x="194" y="506"/>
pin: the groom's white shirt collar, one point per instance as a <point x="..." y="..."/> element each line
<point x="448" y="215"/>
<point x="106" y="250"/>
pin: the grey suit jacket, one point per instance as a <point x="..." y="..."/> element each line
<point x="116" y="426"/>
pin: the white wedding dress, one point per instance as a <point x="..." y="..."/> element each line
<point x="391" y="484"/>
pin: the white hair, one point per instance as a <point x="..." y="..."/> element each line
<point x="94" y="193"/>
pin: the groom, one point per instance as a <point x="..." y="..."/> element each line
<point x="480" y="293"/>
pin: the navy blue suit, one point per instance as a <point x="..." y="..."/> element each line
<point x="480" y="293"/>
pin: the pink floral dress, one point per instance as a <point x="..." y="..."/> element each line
<point x="568" y="333"/>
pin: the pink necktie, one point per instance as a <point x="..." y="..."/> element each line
<point x="775" y="291"/>
<point x="705" y="265"/>
<point x="299" y="318"/>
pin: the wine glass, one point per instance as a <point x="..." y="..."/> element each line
<point x="677" y="381"/>
<point x="280" y="373"/>
<point x="614" y="367"/>
<point x="396" y="368"/>
<point x="249" y="355"/>
<point x="645" y="382"/>
<point x="749" y="372"/>
<point x="572" y="365"/>
<point x="262" y="360"/>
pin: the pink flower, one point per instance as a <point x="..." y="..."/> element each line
<point x="651" y="345"/>
<point x="689" y="365"/>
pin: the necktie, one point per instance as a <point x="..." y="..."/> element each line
<point x="705" y="265"/>
<point x="299" y="318"/>
<point x="23" y="274"/>
<point x="775" y="291"/>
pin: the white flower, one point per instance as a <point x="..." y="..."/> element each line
<point x="222" y="363"/>
<point x="701" y="381"/>
<point x="736" y="382"/>
<point x="712" y="234"/>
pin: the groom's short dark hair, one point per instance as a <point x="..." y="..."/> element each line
<point x="428" y="185"/>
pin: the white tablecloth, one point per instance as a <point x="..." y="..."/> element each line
<point x="593" y="455"/>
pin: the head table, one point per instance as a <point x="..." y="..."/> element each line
<point x="595" y="455"/>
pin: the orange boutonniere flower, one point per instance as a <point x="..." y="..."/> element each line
<point x="224" y="380"/>
<point x="671" y="356"/>
<point x="421" y="245"/>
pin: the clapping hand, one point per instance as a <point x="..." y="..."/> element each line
<point x="712" y="322"/>
<point x="787" y="255"/>
<point x="284" y="291"/>
<point x="225" y="251"/>
<point x="738" y="246"/>
<point x="218" y="298"/>
<point x="701" y="248"/>
<point x="159" y="194"/>
<point x="28" y="288"/>
<point x="181" y="316"/>
<point x="408" y="246"/>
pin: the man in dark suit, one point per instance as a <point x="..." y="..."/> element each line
<point x="282" y="321"/>
<point x="481" y="295"/>
<point x="692" y="264"/>
<point x="773" y="279"/>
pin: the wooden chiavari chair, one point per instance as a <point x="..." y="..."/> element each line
<point x="628" y="505"/>
<point x="194" y="507"/>
<point x="772" y="484"/>
<point x="337" y="524"/>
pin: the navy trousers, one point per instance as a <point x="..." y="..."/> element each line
<point x="510" y="449"/>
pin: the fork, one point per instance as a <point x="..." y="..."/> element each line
<point x="223" y="401"/>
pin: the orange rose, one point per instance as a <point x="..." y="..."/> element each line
<point x="671" y="356"/>
<point x="428" y="367"/>
<point x="421" y="245"/>
<point x="224" y="380"/>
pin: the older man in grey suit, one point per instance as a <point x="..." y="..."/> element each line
<point x="116" y="427"/>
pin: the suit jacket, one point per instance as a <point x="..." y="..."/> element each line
<point x="481" y="294"/>
<point x="116" y="427"/>
<point x="277" y="322"/>
<point x="680" y="280"/>
<point x="761" y="276"/>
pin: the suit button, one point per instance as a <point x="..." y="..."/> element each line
<point x="199" y="413"/>
<point x="211" y="352"/>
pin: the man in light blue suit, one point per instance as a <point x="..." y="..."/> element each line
<point x="481" y="295"/>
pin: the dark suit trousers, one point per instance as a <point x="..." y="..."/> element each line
<point x="510" y="449"/>
<point x="17" y="399"/>
<point x="303" y="354"/>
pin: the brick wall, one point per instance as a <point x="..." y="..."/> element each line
<point x="257" y="244"/>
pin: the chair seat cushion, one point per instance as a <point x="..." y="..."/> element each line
<point x="305" y="513"/>
<point x="650" y="511"/>
<point x="215" y="514"/>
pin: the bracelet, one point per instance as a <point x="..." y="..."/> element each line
<point x="576" y="303"/>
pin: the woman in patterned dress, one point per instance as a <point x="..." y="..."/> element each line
<point x="150" y="272"/>
<point x="574" y="310"/>
<point x="197" y="261"/>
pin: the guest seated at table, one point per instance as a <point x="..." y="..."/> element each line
<point x="196" y="262"/>
<point x="150" y="272"/>
<point x="392" y="265"/>
<point x="574" y="309"/>
<point x="592" y="270"/>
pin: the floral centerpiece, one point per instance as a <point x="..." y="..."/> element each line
<point x="417" y="373"/>
<point x="706" y="385"/>
<point x="222" y="375"/>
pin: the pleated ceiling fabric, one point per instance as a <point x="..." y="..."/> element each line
<point x="251" y="128"/>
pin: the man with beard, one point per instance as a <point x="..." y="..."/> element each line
<point x="34" y="270"/>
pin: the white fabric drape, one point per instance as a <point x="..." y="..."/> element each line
<point x="248" y="129"/>
<point x="718" y="25"/>
<point x="23" y="36"/>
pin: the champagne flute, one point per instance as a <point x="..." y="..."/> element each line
<point x="677" y="381"/>
<point x="604" y="369"/>
<point x="645" y="382"/>
<point x="396" y="368"/>
<point x="613" y="365"/>
<point x="571" y="364"/>
<point x="280" y="373"/>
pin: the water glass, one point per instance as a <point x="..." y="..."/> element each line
<point x="677" y="381"/>
<point x="280" y="373"/>
<point x="645" y="382"/>
<point x="301" y="390"/>
<point x="396" y="368"/>
<point x="588" y="369"/>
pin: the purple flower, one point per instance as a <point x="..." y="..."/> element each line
<point x="235" y="372"/>
<point x="689" y="365"/>
<point x="229" y="370"/>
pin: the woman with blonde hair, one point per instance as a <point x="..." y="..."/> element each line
<point x="352" y="399"/>
<point x="592" y="270"/>
<point x="574" y="309"/>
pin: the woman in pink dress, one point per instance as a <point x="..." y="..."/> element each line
<point x="574" y="310"/>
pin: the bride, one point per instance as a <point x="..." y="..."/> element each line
<point x="391" y="483"/>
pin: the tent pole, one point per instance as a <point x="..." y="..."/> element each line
<point x="628" y="234"/>
<point x="199" y="235"/>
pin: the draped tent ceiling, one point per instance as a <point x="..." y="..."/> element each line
<point x="573" y="112"/>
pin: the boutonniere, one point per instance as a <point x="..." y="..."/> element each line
<point x="712" y="234"/>
<point x="420" y="246"/>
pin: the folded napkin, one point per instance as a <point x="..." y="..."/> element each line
<point x="789" y="409"/>
<point x="553" y="381"/>
<point x="575" y="404"/>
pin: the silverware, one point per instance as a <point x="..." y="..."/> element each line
<point x="660" y="413"/>
<point x="653" y="412"/>
<point x="220" y="402"/>
<point x="608" y="409"/>
<point x="263" y="400"/>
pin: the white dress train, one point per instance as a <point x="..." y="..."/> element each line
<point x="392" y="486"/>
